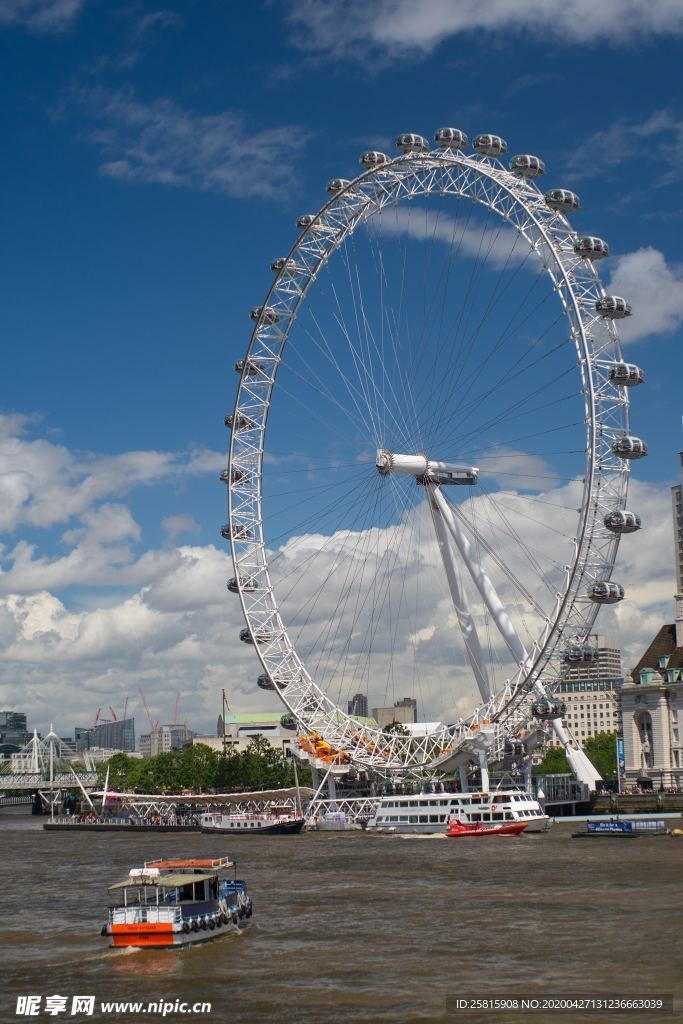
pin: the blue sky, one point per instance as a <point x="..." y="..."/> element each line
<point x="156" y="159"/>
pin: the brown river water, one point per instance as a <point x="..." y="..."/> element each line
<point x="352" y="927"/>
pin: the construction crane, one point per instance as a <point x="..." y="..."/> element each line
<point x="154" y="725"/>
<point x="97" y="717"/>
<point x="174" y="720"/>
<point x="125" y="708"/>
<point x="113" y="714"/>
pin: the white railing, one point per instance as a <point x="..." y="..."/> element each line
<point x="146" y="915"/>
<point x="355" y="808"/>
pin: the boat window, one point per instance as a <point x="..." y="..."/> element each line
<point x="435" y="817"/>
<point x="475" y="817"/>
<point x="424" y="818"/>
<point x="413" y="819"/>
<point x="497" y="816"/>
<point x="509" y="816"/>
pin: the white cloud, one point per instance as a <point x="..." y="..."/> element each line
<point x="40" y="15"/>
<point x="396" y="28"/>
<point x="164" y="619"/>
<point x="659" y="138"/>
<point x="655" y="290"/>
<point x="161" y="143"/>
<point x="43" y="484"/>
<point x="175" y="525"/>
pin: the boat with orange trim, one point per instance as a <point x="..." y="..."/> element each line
<point x="458" y="830"/>
<point x="177" y="902"/>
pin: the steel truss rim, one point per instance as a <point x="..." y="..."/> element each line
<point x="578" y="286"/>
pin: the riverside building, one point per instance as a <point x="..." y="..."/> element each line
<point x="591" y="692"/>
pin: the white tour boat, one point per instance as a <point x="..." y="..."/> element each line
<point x="431" y="812"/>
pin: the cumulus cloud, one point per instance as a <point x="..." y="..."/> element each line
<point x="40" y="15"/>
<point x="655" y="290"/>
<point x="161" y="143"/>
<point x="43" y="483"/>
<point x="163" y="619"/>
<point x="175" y="525"/>
<point x="658" y="139"/>
<point x="395" y="27"/>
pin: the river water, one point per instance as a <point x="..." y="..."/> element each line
<point x="352" y="927"/>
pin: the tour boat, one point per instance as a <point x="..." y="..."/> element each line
<point x="177" y="902"/>
<point x="277" y="820"/>
<point x="622" y="828"/>
<point x="457" y="830"/>
<point x="431" y="812"/>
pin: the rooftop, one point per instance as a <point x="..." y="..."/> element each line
<point x="664" y="644"/>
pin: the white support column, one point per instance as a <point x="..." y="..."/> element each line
<point x="467" y="625"/>
<point x="464" y="781"/>
<point x="578" y="761"/>
<point x="482" y="581"/>
<point x="484" y="768"/>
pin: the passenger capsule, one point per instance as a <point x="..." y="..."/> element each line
<point x="628" y="447"/>
<point x="627" y="374"/>
<point x="408" y="142"/>
<point x="288" y="721"/>
<point x="613" y="307"/>
<point x="489" y="145"/>
<point x="450" y="138"/>
<point x="579" y="654"/>
<point x="546" y="709"/>
<point x="264" y="682"/>
<point x="233" y="476"/>
<point x="286" y="267"/>
<point x="622" y="521"/>
<point x="337" y="185"/>
<point x="562" y="200"/>
<point x="514" y="748"/>
<point x="247" y="585"/>
<point x="264" y="314"/>
<point x="591" y="248"/>
<point x="373" y="159"/>
<point x="237" y="532"/>
<point x="312" y="223"/>
<point x="239" y="422"/>
<point x="259" y="637"/>
<point x="250" y="367"/>
<point x="606" y="592"/>
<point x="527" y="166"/>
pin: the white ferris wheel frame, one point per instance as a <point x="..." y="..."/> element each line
<point x="521" y="204"/>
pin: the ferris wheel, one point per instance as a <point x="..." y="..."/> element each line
<point x="429" y="457"/>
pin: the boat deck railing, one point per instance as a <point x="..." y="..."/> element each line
<point x="145" y="915"/>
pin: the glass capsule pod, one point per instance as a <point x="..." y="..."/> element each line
<point x="238" y="422"/>
<point x="312" y="223"/>
<point x="489" y="145"/>
<point x="264" y="682"/>
<point x="628" y="447"/>
<point x="260" y="637"/>
<point x="527" y="166"/>
<point x="591" y="248"/>
<point x="250" y="367"/>
<point x="337" y="185"/>
<point x="627" y="374"/>
<point x="288" y="721"/>
<point x="266" y="314"/>
<point x="579" y="654"/>
<point x="225" y="476"/>
<point x="562" y="200"/>
<point x="373" y="158"/>
<point x="236" y="476"/>
<point x="286" y="267"/>
<point x="514" y="748"/>
<point x="247" y="585"/>
<point x="613" y="307"/>
<point x="622" y="521"/>
<point x="546" y="708"/>
<point x="237" y="532"/>
<point x="450" y="138"/>
<point x="409" y="142"/>
<point x="606" y="592"/>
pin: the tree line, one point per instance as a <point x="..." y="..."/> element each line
<point x="601" y="749"/>
<point x="200" y="769"/>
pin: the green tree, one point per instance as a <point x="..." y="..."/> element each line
<point x="554" y="762"/>
<point x="602" y="751"/>
<point x="395" y="729"/>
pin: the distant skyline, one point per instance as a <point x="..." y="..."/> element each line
<point x="157" y="158"/>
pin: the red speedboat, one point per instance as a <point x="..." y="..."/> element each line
<point x="458" y="830"/>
